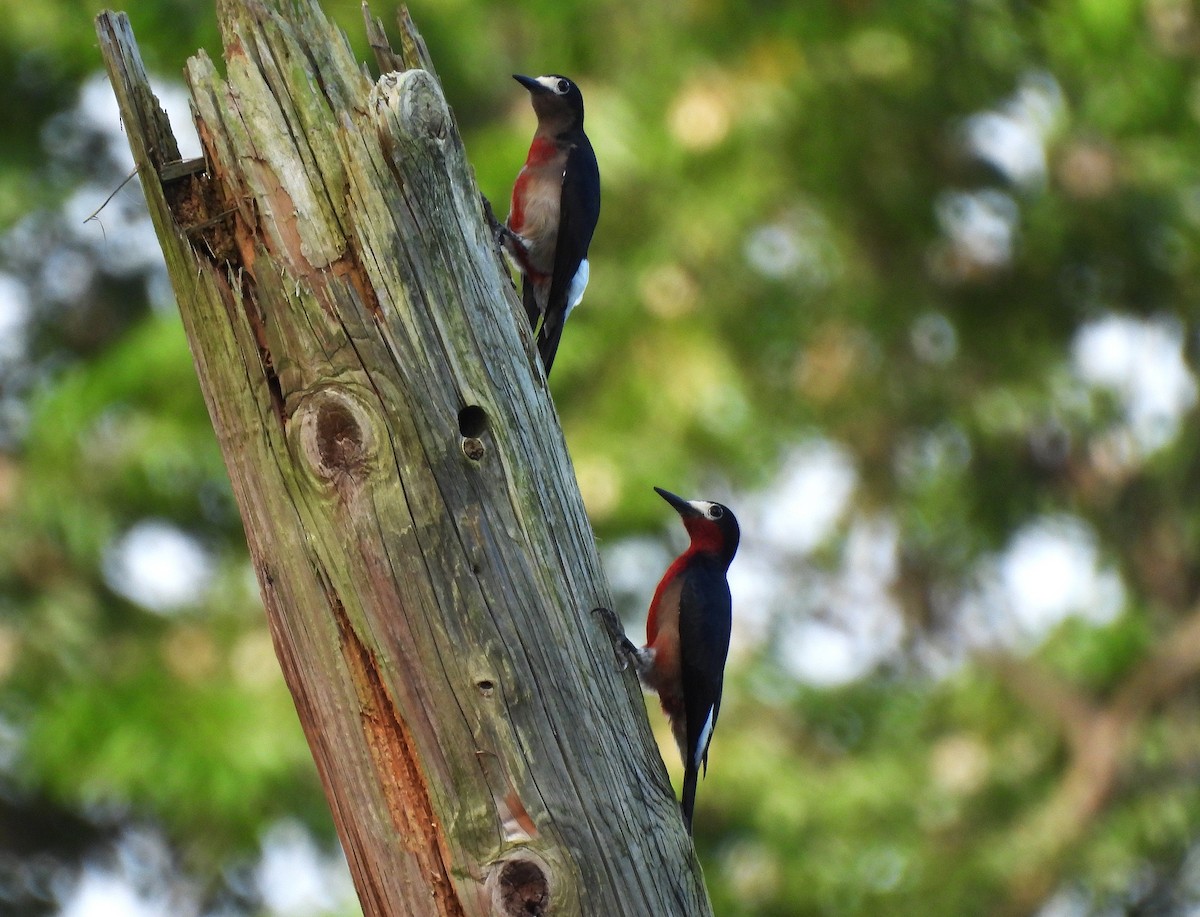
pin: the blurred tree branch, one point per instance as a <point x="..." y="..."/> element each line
<point x="1100" y="737"/>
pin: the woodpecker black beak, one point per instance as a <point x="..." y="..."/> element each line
<point x="681" y="505"/>
<point x="530" y="83"/>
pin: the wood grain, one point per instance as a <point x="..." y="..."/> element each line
<point x="423" y="554"/>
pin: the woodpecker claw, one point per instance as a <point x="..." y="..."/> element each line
<point x="501" y="234"/>
<point x="512" y="245"/>
<point x="622" y="645"/>
<point x="496" y="226"/>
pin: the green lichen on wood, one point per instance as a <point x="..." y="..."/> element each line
<point x="344" y="303"/>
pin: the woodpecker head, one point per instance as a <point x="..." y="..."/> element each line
<point x="712" y="526"/>
<point x="557" y="102"/>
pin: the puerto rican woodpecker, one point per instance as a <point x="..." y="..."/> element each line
<point x="687" y="634"/>
<point x="555" y="206"/>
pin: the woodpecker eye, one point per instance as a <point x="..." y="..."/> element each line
<point x="562" y="87"/>
<point x="716" y="513"/>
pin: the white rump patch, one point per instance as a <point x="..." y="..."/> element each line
<point x="705" y="738"/>
<point x="578" y="284"/>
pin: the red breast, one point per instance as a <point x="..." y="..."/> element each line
<point x="541" y="151"/>
<point x="656" y="604"/>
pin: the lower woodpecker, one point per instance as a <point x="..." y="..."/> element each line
<point x="687" y="635"/>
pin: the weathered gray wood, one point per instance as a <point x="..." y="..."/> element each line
<point x="421" y="546"/>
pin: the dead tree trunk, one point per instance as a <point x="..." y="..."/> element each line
<point x="421" y="546"/>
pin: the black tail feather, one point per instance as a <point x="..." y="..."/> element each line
<point x="529" y="301"/>
<point x="549" y="337"/>
<point x="547" y="327"/>
<point x="690" y="775"/>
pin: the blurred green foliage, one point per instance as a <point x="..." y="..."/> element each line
<point x="901" y="228"/>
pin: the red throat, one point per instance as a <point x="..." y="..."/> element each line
<point x="706" y="536"/>
<point x="706" y="539"/>
<point x="541" y="151"/>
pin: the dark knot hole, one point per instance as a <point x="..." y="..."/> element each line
<point x="524" y="890"/>
<point x="472" y="421"/>
<point x="339" y="437"/>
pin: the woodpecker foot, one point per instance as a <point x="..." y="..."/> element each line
<point x="507" y="242"/>
<point x="498" y="228"/>
<point x="624" y="647"/>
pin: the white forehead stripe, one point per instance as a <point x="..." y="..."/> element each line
<point x="702" y="505"/>
<point x="550" y="82"/>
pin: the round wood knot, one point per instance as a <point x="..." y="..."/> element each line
<point x="335" y="435"/>
<point x="473" y="448"/>
<point x="339" y="437"/>
<point x="523" y="889"/>
<point x="423" y="105"/>
<point x="414" y="99"/>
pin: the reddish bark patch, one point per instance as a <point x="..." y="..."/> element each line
<point x="218" y="231"/>
<point x="398" y="766"/>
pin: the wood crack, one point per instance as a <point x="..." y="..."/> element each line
<point x="401" y="778"/>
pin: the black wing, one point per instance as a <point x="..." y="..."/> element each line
<point x="578" y="212"/>
<point x="705" y="619"/>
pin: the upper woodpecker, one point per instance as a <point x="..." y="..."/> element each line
<point x="555" y="206"/>
<point x="687" y="634"/>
